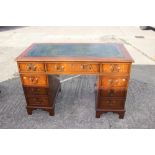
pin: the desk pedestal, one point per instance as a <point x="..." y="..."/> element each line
<point x="42" y="97"/>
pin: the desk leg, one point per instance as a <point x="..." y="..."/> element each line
<point x="121" y="114"/>
<point x="98" y="114"/>
<point x="29" y="111"/>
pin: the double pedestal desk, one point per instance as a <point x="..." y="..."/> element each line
<point x="41" y="63"/>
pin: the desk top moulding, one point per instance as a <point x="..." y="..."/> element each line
<point x="97" y="52"/>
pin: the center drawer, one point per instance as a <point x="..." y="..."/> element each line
<point x="74" y="68"/>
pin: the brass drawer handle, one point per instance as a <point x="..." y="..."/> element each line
<point x="33" y="80"/>
<point x="37" y="90"/>
<point x="86" y="66"/>
<point x="59" y="68"/>
<point x="112" y="82"/>
<point x="123" y="80"/>
<point x="115" y="67"/>
<point x="31" y="67"/>
<point x="110" y="102"/>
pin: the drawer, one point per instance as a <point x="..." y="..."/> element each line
<point x="34" y="80"/>
<point x="113" y="81"/>
<point x="38" y="101"/>
<point x="58" y="67"/>
<point x="115" y="68"/>
<point x="111" y="104"/>
<point x="72" y="68"/>
<point x="113" y="92"/>
<point x="85" y="68"/>
<point x="35" y="91"/>
<point x="31" y="67"/>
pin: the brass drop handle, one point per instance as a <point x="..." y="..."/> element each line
<point x="34" y="80"/>
<point x="115" y="67"/>
<point x="86" y="66"/>
<point x="110" y="81"/>
<point x="31" y="67"/>
<point x="59" y="68"/>
<point x="123" y="80"/>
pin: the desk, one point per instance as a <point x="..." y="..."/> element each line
<point x="41" y="63"/>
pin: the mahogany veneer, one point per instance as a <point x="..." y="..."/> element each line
<point x="40" y="63"/>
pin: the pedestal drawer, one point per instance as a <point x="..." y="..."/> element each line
<point x="113" y="92"/>
<point x="37" y="101"/>
<point x="115" y="68"/>
<point x="113" y="81"/>
<point x="111" y="103"/>
<point x="35" y="91"/>
<point x="31" y="67"/>
<point x="34" y="80"/>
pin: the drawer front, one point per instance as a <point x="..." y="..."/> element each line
<point x="85" y="68"/>
<point x="58" y="67"/>
<point x="34" y="80"/>
<point x="37" y="101"/>
<point x="72" y="68"/>
<point x="114" y="81"/>
<point x="115" y="68"/>
<point x="113" y="92"/>
<point x="111" y="104"/>
<point x="31" y="67"/>
<point x="35" y="91"/>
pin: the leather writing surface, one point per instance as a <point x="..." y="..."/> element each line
<point x="75" y="50"/>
